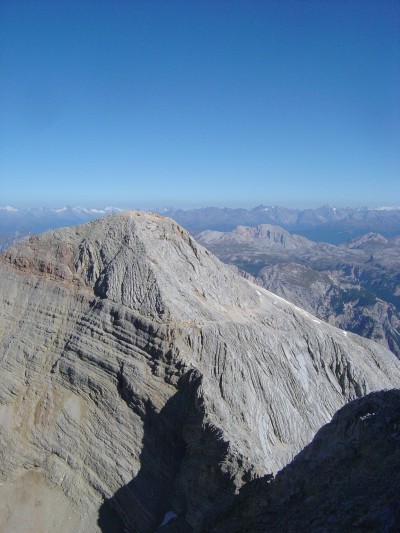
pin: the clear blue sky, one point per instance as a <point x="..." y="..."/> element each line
<point x="190" y="103"/>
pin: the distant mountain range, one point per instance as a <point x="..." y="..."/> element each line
<point x="323" y="224"/>
<point x="38" y="219"/>
<point x="16" y="224"/>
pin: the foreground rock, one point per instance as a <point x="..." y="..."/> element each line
<point x="347" y="479"/>
<point x="137" y="369"/>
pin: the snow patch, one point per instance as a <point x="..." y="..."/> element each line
<point x="387" y="208"/>
<point x="8" y="208"/>
<point x="168" y="517"/>
<point x="302" y="311"/>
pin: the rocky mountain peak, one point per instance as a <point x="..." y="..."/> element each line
<point x="263" y="236"/>
<point x="141" y="376"/>
<point x="142" y="260"/>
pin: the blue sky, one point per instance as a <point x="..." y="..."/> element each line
<point x="195" y="103"/>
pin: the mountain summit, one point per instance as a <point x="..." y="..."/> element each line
<point x="141" y="376"/>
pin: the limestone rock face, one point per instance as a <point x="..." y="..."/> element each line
<point x="137" y="368"/>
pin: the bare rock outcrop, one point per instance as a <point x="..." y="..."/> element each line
<point x="138" y="369"/>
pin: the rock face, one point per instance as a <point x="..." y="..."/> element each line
<point x="137" y="369"/>
<point x="338" y="299"/>
<point x="347" y="479"/>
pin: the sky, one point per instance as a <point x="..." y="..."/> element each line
<point x="199" y="103"/>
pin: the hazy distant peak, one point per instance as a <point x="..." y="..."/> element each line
<point x="387" y="208"/>
<point x="8" y="208"/>
<point x="367" y="239"/>
<point x="263" y="235"/>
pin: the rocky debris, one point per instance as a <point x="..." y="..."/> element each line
<point x="346" y="479"/>
<point x="141" y="376"/>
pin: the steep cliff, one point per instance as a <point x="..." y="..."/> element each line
<point x="138" y="369"/>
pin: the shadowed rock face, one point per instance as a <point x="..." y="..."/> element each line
<point x="138" y="369"/>
<point x="347" y="479"/>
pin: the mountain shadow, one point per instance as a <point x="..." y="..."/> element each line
<point x="347" y="479"/>
<point x="179" y="474"/>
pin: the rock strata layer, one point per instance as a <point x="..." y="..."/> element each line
<point x="138" y="370"/>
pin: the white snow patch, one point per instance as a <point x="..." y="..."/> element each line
<point x="317" y="321"/>
<point x="345" y="333"/>
<point x="387" y="208"/>
<point x="8" y="208"/>
<point x="168" y="517"/>
<point x="302" y="310"/>
<point x="368" y="415"/>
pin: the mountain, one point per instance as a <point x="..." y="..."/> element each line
<point x="7" y="239"/>
<point x="39" y="219"/>
<point x="323" y="224"/>
<point x="346" y="479"/>
<point x="140" y="376"/>
<point x="264" y="237"/>
<point x="355" y="286"/>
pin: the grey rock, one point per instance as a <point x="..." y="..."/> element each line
<point x="138" y="370"/>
